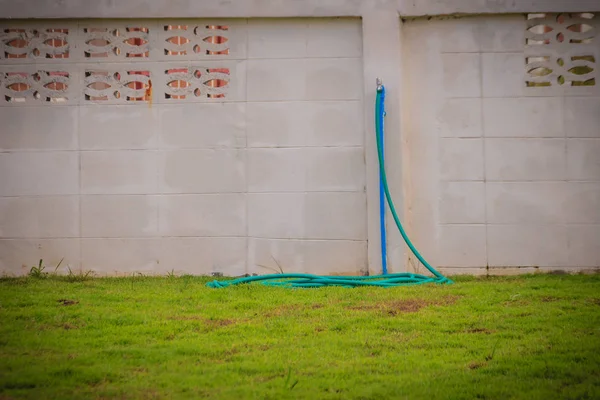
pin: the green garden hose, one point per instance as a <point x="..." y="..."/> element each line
<point x="313" y="281"/>
<point x="387" y="280"/>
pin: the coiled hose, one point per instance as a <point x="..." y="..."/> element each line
<point x="386" y="280"/>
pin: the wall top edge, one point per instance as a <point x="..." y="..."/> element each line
<point x="53" y="9"/>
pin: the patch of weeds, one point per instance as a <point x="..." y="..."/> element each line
<point x="187" y="318"/>
<point x="476" y="365"/>
<point x="480" y="330"/>
<point x="135" y="277"/>
<point x="282" y="310"/>
<point x="208" y="324"/>
<point x="67" y="302"/>
<point x="524" y="314"/>
<point x="550" y="299"/>
<point x="594" y="301"/>
<point x="267" y="378"/>
<point x="516" y="301"/>
<point x="279" y="269"/>
<point x="289" y="385"/>
<point x="63" y="373"/>
<point x="80" y="276"/>
<point x="19" y="385"/>
<point x="396" y="307"/>
<point x="218" y="323"/>
<point x="39" y="271"/>
<point x="15" y="281"/>
<point x="490" y="356"/>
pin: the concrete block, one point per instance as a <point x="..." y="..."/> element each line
<point x="292" y="124"/>
<point x="523" y="117"/>
<point x="334" y="37"/>
<point x="277" y="124"/>
<point x="461" y="246"/>
<point x="120" y="256"/>
<point x="503" y="74"/>
<point x="194" y="47"/>
<point x="583" y="159"/>
<point x="335" y="169"/>
<point x="582" y="205"/>
<point x="461" y="159"/>
<point x="118" y="127"/>
<point x="335" y="257"/>
<point x="321" y="257"/>
<point x="202" y="171"/>
<point x="462" y="202"/>
<point x="276" y="215"/>
<point x="336" y="216"/>
<point x="119" y="172"/>
<point x="39" y="79"/>
<point x="45" y="32"/>
<point x="117" y="50"/>
<point x="527" y="245"/>
<point x="17" y="256"/>
<point x="269" y="256"/>
<point x="202" y="125"/>
<point x="584" y="250"/>
<point x="461" y="74"/>
<point x="460" y="35"/>
<point x="582" y="117"/>
<point x="35" y="173"/>
<point x="38" y="128"/>
<point x="334" y="79"/>
<point x="332" y="123"/>
<point x="202" y="256"/>
<point x="460" y="118"/>
<point x="525" y="202"/>
<point x="202" y="215"/>
<point x="277" y="38"/>
<point x="105" y="83"/>
<point x="119" y="216"/>
<point x="270" y="80"/>
<point x="299" y="38"/>
<point x="502" y="33"/>
<point x="39" y="217"/>
<point x="277" y="170"/>
<point x="525" y="159"/>
<point x="305" y="79"/>
<point x="233" y="72"/>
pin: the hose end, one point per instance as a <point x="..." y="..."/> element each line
<point x="379" y="84"/>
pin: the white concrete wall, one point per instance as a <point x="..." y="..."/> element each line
<point x="489" y="175"/>
<point x="502" y="175"/>
<point x="272" y="174"/>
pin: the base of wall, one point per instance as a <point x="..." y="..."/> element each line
<point x="494" y="271"/>
<point x="505" y="271"/>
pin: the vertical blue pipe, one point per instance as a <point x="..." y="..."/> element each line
<point x="379" y="115"/>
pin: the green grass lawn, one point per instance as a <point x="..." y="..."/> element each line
<point x="527" y="337"/>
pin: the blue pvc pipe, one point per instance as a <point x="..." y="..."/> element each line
<point x="383" y="233"/>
